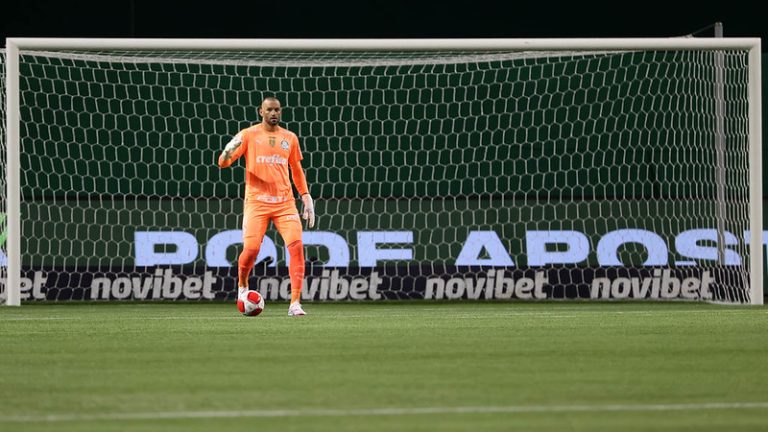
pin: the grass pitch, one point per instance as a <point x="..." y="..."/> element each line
<point x="384" y="367"/>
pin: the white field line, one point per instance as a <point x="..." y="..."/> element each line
<point x="510" y="409"/>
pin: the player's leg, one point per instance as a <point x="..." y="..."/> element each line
<point x="289" y="227"/>
<point x="255" y="222"/>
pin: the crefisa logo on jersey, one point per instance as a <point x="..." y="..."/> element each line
<point x="284" y="144"/>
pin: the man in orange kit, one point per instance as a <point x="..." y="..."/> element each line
<point x="269" y="150"/>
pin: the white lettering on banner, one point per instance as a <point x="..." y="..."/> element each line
<point x="369" y="254"/>
<point x="146" y="241"/>
<point x="29" y="288"/>
<point x="538" y="255"/>
<point x="495" y="286"/>
<point x="538" y="248"/>
<point x="662" y="285"/>
<point x="163" y="284"/>
<point x="328" y="286"/>
<point x="476" y="242"/>
<point x="608" y="246"/>
<point x="687" y="244"/>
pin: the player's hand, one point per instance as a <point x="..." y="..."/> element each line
<point x="309" y="210"/>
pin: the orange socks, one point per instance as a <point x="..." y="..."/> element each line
<point x="245" y="265"/>
<point x="296" y="269"/>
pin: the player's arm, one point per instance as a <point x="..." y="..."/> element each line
<point x="232" y="151"/>
<point x="300" y="181"/>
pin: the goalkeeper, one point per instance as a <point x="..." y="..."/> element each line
<point x="269" y="151"/>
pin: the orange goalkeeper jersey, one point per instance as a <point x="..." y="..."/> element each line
<point x="267" y="158"/>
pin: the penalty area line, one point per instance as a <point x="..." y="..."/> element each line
<point x="511" y="409"/>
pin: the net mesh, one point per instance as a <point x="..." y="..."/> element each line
<point x="422" y="164"/>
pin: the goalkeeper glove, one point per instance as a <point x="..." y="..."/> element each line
<point x="309" y="209"/>
<point x="236" y="142"/>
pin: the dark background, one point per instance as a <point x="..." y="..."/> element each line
<point x="377" y="19"/>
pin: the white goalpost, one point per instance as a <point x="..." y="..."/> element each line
<point x="496" y="169"/>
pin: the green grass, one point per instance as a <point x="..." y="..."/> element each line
<point x="434" y="366"/>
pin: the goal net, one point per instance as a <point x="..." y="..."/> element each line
<point x="502" y="172"/>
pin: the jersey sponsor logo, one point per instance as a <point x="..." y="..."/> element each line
<point x="272" y="141"/>
<point x="272" y="160"/>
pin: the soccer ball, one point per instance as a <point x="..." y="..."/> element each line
<point x="250" y="303"/>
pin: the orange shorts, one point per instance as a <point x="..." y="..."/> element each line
<point x="256" y="219"/>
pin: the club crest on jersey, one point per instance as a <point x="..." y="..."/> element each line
<point x="284" y="144"/>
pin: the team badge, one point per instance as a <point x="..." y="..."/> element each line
<point x="284" y="144"/>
